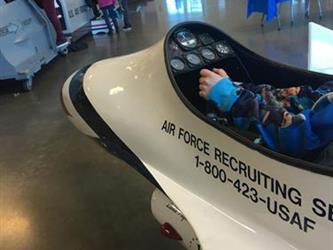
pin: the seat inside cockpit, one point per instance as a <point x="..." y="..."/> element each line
<point x="191" y="47"/>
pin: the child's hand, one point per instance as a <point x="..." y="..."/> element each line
<point x="221" y="72"/>
<point x="209" y="79"/>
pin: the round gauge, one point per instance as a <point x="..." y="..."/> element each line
<point x="177" y="64"/>
<point x="187" y="39"/>
<point x="193" y="59"/>
<point x="222" y="48"/>
<point x="208" y="54"/>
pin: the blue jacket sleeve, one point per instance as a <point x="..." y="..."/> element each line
<point x="224" y="94"/>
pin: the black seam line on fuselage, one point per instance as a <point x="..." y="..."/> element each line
<point x="294" y="162"/>
<point x="113" y="143"/>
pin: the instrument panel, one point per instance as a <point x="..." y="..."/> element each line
<point x="190" y="51"/>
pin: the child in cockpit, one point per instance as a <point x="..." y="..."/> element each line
<point x="288" y="120"/>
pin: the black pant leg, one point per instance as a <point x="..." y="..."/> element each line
<point x="106" y="18"/>
<point x="113" y="16"/>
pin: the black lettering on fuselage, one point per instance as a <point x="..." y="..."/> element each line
<point x="233" y="164"/>
<point x="242" y="169"/>
<point x="322" y="209"/>
<point x="193" y="141"/>
<point x="217" y="155"/>
<point x="319" y="207"/>
<point x="293" y="218"/>
<point x="169" y="128"/>
<point x="308" y="224"/>
<point x="296" y="220"/>
<point x="295" y="196"/>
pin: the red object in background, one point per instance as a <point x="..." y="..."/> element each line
<point x="168" y="231"/>
<point x="51" y="12"/>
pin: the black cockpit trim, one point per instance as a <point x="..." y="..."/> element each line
<point x="295" y="162"/>
<point x="109" y="140"/>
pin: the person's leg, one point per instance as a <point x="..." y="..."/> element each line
<point x="127" y="23"/>
<point x="93" y="5"/>
<point x="321" y="122"/>
<point x="311" y="131"/>
<point x="245" y="111"/>
<point x="106" y="19"/>
<point x="51" y="12"/>
<point x="113" y="16"/>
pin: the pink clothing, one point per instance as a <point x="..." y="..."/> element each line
<point x="105" y="3"/>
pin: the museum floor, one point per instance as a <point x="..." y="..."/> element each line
<point x="58" y="189"/>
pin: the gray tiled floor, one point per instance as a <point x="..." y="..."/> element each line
<point x="58" y="189"/>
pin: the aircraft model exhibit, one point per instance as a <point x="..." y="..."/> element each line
<point x="217" y="188"/>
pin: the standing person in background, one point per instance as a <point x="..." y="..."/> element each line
<point x="127" y="24"/>
<point x="93" y="5"/>
<point x="51" y="12"/>
<point x="107" y="7"/>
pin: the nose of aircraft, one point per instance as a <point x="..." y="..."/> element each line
<point x="121" y="91"/>
<point x="129" y="97"/>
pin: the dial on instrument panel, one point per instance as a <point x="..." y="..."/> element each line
<point x="187" y="39"/>
<point x="177" y="64"/>
<point x="208" y="54"/>
<point x="222" y="48"/>
<point x="206" y="39"/>
<point x="193" y="59"/>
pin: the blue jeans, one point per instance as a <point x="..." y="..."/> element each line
<point x="109" y="11"/>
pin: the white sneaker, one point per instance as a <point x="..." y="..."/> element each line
<point x="127" y="28"/>
<point x="62" y="46"/>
